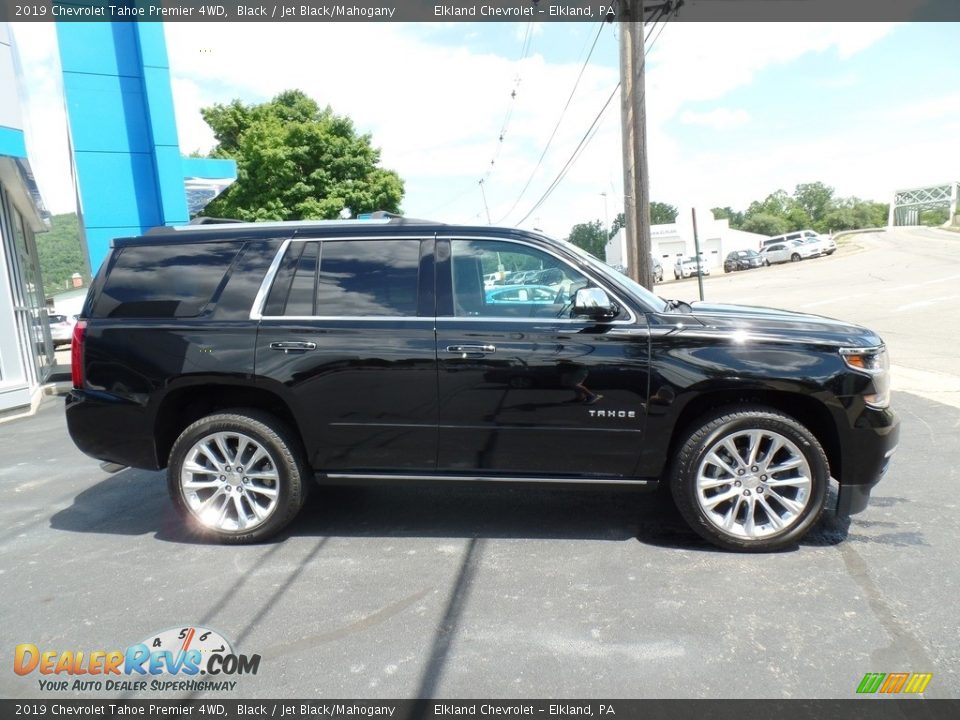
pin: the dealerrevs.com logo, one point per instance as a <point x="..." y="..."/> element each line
<point x="190" y="659"/>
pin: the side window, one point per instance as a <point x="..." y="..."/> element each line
<point x="545" y="291"/>
<point x="164" y="281"/>
<point x="368" y="277"/>
<point x="303" y="288"/>
<point x="343" y="278"/>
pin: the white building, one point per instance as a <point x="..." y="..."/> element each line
<point x="671" y="241"/>
<point x="26" y="352"/>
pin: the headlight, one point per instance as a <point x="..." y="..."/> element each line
<point x="875" y="362"/>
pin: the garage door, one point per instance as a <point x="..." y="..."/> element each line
<point x="711" y="252"/>
<point x="669" y="250"/>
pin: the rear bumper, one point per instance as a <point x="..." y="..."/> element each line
<point x="869" y="448"/>
<point x="111" y="429"/>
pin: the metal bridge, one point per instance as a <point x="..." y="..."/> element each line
<point x="908" y="204"/>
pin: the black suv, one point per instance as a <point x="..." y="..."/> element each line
<point x="252" y="359"/>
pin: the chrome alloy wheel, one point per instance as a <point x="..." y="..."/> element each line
<point x="230" y="482"/>
<point x="754" y="483"/>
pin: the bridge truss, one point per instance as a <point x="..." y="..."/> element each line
<point x="908" y="204"/>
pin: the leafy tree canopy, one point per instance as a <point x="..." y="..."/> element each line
<point x="660" y="214"/>
<point x="590" y="237"/>
<point x="297" y="162"/>
<point x="765" y="223"/>
<point x="813" y="205"/>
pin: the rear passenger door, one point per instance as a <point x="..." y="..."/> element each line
<point x="347" y="338"/>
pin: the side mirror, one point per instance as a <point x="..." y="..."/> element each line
<point x="594" y="303"/>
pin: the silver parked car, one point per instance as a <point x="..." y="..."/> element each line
<point x="792" y="251"/>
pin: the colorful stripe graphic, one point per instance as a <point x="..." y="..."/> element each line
<point x="893" y="683"/>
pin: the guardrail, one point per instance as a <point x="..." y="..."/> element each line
<point x="844" y="233"/>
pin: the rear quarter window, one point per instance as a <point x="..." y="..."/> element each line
<point x="164" y="281"/>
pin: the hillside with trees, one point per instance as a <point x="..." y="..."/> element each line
<point x="61" y="254"/>
<point x="812" y="205"/>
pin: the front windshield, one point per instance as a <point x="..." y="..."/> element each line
<point x="642" y="294"/>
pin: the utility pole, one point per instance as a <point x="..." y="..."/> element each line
<point x="636" y="201"/>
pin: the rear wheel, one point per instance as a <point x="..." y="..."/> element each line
<point x="237" y="476"/>
<point x="795" y="257"/>
<point x="750" y="479"/>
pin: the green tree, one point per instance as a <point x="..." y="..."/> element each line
<point x="765" y="224"/>
<point x="934" y="216"/>
<point x="728" y="213"/>
<point x="297" y="162"/>
<point x="61" y="254"/>
<point x="816" y="199"/>
<point x="852" y="213"/>
<point x="660" y="214"/>
<point x="590" y="237"/>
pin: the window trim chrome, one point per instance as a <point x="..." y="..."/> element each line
<point x="256" y="311"/>
<point x="259" y="301"/>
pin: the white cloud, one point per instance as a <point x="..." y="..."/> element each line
<point x="719" y="118"/>
<point x="435" y="109"/>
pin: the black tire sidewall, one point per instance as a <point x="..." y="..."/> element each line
<point x="287" y="457"/>
<point x="692" y="452"/>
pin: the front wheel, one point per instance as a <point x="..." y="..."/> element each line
<point x="795" y="257"/>
<point x="237" y="476"/>
<point x="750" y="479"/>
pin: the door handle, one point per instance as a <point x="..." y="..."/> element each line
<point x="471" y="351"/>
<point x="293" y="346"/>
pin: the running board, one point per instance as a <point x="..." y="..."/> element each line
<point x="583" y="481"/>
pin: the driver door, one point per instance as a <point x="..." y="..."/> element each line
<point x="524" y="388"/>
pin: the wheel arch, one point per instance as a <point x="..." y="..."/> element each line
<point x="181" y="407"/>
<point x="807" y="410"/>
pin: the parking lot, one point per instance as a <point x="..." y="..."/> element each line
<point x="459" y="592"/>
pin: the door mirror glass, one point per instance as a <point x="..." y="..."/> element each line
<point x="594" y="303"/>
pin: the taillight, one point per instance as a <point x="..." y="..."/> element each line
<point x="76" y="353"/>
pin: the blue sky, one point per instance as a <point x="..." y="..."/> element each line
<point x="734" y="111"/>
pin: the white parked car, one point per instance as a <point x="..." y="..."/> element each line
<point x="689" y="266"/>
<point x="791" y="251"/>
<point x="61" y="328"/>
<point x="825" y="243"/>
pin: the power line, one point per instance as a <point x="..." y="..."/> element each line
<point x="504" y="126"/>
<point x="556" y="127"/>
<point x="591" y="131"/>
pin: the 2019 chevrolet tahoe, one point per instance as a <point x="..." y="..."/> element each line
<point x="251" y="360"/>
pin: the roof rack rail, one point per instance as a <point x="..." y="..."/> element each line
<point x="202" y="220"/>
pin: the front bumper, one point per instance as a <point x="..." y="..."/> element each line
<point x="868" y="450"/>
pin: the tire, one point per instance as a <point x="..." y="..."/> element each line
<point x="763" y="513"/>
<point x="766" y="262"/>
<point x="795" y="257"/>
<point x="257" y="503"/>
<point x="675" y="275"/>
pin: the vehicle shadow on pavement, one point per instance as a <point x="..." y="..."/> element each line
<point x="131" y="502"/>
<point x="135" y="502"/>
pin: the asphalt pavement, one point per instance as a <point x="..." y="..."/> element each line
<point x="469" y="592"/>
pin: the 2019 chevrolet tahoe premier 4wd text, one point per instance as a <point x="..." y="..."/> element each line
<point x="252" y="359"/>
